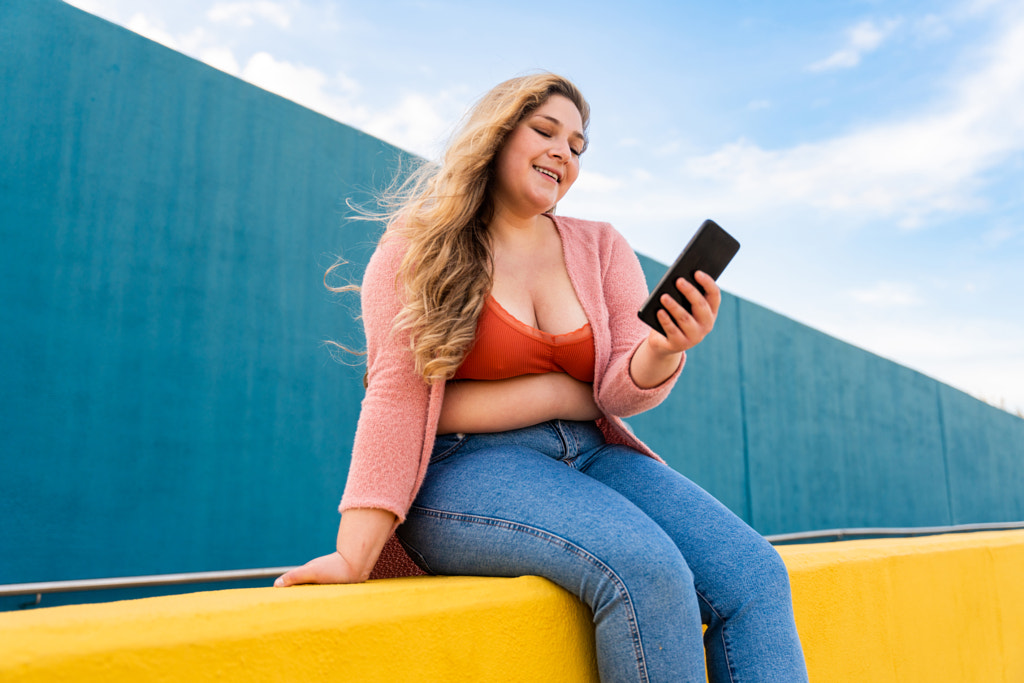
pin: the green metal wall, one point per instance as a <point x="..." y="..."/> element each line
<point x="795" y="430"/>
<point x="168" y="405"/>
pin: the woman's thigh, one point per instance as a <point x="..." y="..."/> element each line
<point x="517" y="495"/>
<point x="515" y="510"/>
<point x="741" y="582"/>
<point x="729" y="559"/>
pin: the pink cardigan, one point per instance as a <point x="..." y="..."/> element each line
<point x="398" y="420"/>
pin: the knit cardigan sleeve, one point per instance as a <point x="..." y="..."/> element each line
<point x="399" y="411"/>
<point x="625" y="291"/>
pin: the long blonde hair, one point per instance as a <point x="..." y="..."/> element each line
<point x="442" y="212"/>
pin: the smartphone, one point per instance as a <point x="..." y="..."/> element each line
<point x="709" y="250"/>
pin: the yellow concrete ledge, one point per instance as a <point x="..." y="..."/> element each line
<point x="946" y="608"/>
<point x="937" y="609"/>
<point x="416" y="629"/>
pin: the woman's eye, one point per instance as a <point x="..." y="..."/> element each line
<point x="576" y="152"/>
<point x="543" y="132"/>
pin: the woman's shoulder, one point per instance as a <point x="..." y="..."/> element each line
<point x="595" y="234"/>
<point x="391" y="248"/>
<point x="582" y="224"/>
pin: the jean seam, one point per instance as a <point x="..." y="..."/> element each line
<point x="415" y="555"/>
<point x="556" y="427"/>
<point x="725" y="642"/>
<point x="554" y="539"/>
<point x="448" y="453"/>
<point x="571" y="452"/>
<point x="575" y="448"/>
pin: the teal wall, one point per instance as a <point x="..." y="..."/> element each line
<point x="795" y="430"/>
<point x="167" y="402"/>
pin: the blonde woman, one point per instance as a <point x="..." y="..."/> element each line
<point x="503" y="349"/>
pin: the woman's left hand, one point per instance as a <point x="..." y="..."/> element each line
<point x="660" y="354"/>
<point x="685" y="330"/>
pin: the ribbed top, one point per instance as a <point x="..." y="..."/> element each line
<point x="507" y="347"/>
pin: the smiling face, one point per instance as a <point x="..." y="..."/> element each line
<point x="540" y="160"/>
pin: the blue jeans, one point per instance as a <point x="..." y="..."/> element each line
<point x="651" y="553"/>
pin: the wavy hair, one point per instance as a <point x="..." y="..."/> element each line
<point x="442" y="211"/>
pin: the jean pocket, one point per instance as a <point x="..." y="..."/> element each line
<point x="446" y="445"/>
<point x="415" y="555"/>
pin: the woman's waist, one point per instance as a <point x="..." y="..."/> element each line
<point x="556" y="435"/>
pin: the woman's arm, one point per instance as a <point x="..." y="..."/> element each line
<point x="387" y="450"/>
<point x="361" y="535"/>
<point x="500" y="405"/>
<point x="622" y="387"/>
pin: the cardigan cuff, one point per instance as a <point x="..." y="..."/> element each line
<point x="354" y="503"/>
<point x="667" y="384"/>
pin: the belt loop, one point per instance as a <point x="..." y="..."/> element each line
<point x="572" y="441"/>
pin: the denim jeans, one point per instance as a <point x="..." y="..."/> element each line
<point x="653" y="555"/>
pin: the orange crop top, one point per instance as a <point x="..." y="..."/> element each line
<point x="507" y="347"/>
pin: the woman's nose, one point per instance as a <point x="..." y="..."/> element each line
<point x="560" y="149"/>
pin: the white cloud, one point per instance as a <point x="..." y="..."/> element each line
<point x="190" y="43"/>
<point x="245" y="14"/>
<point x="593" y="181"/>
<point x="863" y="38"/>
<point x="418" y="123"/>
<point x="307" y="86"/>
<point x="144" y="26"/>
<point x="932" y="28"/>
<point x="221" y="58"/>
<point x="887" y="295"/>
<point x="999" y="235"/>
<point x="905" y="171"/>
<point x="98" y="7"/>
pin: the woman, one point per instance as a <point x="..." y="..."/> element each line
<point x="503" y="349"/>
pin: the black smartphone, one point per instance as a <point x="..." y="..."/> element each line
<point x="709" y="250"/>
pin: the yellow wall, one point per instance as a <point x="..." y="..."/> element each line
<point x="947" y="608"/>
<point x="936" y="609"/>
<point x="422" y="629"/>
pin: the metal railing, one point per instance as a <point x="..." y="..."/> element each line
<point x="41" y="588"/>
<point x="889" y="532"/>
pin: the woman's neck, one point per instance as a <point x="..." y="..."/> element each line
<point x="512" y="232"/>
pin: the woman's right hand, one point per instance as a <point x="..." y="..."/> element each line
<point x="362" y="533"/>
<point x="331" y="568"/>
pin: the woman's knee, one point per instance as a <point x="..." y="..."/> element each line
<point x="769" y="570"/>
<point x="748" y="576"/>
<point x="761" y="586"/>
<point x="640" y="573"/>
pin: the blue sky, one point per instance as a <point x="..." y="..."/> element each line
<point x="868" y="154"/>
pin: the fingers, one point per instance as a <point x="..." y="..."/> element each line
<point x="315" y="571"/>
<point x="712" y="293"/>
<point x="294" y="577"/>
<point x="704" y="306"/>
<point x="685" y="329"/>
<point x="332" y="568"/>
